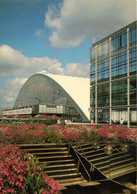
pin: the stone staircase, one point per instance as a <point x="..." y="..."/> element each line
<point x="62" y="166"/>
<point x="59" y="163"/>
<point x="111" y="166"/>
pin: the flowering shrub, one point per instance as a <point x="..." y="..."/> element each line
<point x="21" y="173"/>
<point x="19" y="134"/>
<point x="41" y="133"/>
<point x="37" y="181"/>
<point x="53" y="134"/>
<point x="12" y="168"/>
<point x="48" y="116"/>
<point x="10" y="116"/>
<point x="46" y="119"/>
<point x="74" y="133"/>
<point x="22" y="116"/>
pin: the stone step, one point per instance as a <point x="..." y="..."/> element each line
<point x="120" y="172"/>
<point x="112" y="159"/>
<point x="133" y="164"/>
<point x="53" y="157"/>
<point x="45" y="149"/>
<point x="66" y="175"/>
<point x="51" y="153"/>
<point x="58" y="161"/>
<point x="60" y="166"/>
<point x="61" y="170"/>
<point x="116" y="163"/>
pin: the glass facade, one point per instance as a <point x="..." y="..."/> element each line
<point x="117" y="114"/>
<point x="103" y="50"/>
<point x="40" y="90"/>
<point x="92" y="96"/>
<point x="133" y="90"/>
<point x="43" y="92"/>
<point x="103" y="95"/>
<point x="119" y="93"/>
<point x="133" y="35"/>
<point x="119" y="42"/>
<point x="103" y="71"/>
<point x="113" y="76"/>
<point x="133" y="61"/>
<point x="92" y="74"/>
<point x="119" y="65"/>
<point x="103" y="116"/>
<point x="92" y="55"/>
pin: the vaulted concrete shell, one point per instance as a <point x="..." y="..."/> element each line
<point x="56" y="90"/>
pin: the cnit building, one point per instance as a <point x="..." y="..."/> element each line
<point x="43" y="93"/>
<point x="113" y="77"/>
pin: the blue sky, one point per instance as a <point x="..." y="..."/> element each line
<point x="53" y="36"/>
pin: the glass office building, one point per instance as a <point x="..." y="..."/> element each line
<point x="113" y="78"/>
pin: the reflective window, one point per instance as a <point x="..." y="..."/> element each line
<point x="119" y="93"/>
<point x="132" y="35"/>
<point x="103" y="116"/>
<point x="133" y="90"/>
<point x="119" y="42"/>
<point x="103" y="71"/>
<point x="119" y="65"/>
<point x="41" y="90"/>
<point x="92" y="97"/>
<point x="103" y="95"/>
<point x="133" y="116"/>
<point x="133" y="61"/>
<point x="92" y="116"/>
<point x="92" y="55"/>
<point x="103" y="50"/>
<point x="117" y="114"/>
<point x="92" y="74"/>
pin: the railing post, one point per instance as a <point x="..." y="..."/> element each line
<point x="78" y="165"/>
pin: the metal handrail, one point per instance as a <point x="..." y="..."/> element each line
<point x="79" y="161"/>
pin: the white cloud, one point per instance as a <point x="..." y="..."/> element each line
<point x="7" y="97"/>
<point x="77" y="69"/>
<point x="13" y="62"/>
<point x="15" y="84"/>
<point x="79" y="19"/>
<point x="10" y="90"/>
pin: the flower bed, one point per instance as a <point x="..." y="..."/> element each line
<point x="21" y="173"/>
<point x="41" y="133"/>
<point x="41" y="118"/>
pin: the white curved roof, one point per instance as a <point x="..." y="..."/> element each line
<point x="77" y="87"/>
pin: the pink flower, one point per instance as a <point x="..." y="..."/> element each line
<point x="10" y="190"/>
<point x="51" y="182"/>
<point x="20" y="177"/>
<point x="46" y="178"/>
<point x="18" y="183"/>
<point x="51" y="191"/>
<point x="56" y="186"/>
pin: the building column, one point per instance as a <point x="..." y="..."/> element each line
<point x="110" y="96"/>
<point x="128" y="82"/>
<point x="96" y="113"/>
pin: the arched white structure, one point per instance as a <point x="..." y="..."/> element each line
<point x="48" y="90"/>
<point x="77" y="87"/>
